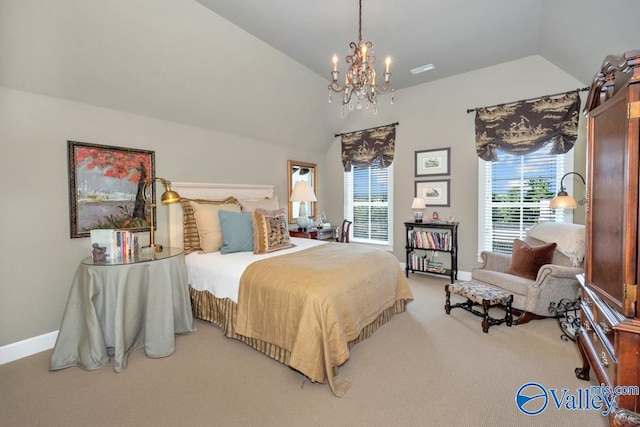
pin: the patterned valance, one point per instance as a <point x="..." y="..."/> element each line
<point x="366" y="147"/>
<point x="525" y="127"/>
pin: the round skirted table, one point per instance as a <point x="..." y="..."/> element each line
<point x="117" y="308"/>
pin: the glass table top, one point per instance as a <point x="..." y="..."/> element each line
<point x="144" y="255"/>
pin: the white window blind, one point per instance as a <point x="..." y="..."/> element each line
<point x="514" y="194"/>
<point x="367" y="201"/>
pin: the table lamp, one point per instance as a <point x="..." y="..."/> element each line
<point x="303" y="193"/>
<point x="169" y="196"/>
<point x="418" y="207"/>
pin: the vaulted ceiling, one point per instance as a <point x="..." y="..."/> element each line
<point x="260" y="68"/>
<point x="456" y="36"/>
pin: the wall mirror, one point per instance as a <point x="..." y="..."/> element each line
<point x="301" y="171"/>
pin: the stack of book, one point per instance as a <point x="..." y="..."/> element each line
<point x="418" y="262"/>
<point x="111" y="245"/>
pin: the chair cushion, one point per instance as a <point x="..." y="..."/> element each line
<point x="516" y="285"/>
<point x="478" y="291"/>
<point x="526" y="260"/>
<point x="570" y="239"/>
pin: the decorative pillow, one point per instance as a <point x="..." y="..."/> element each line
<point x="208" y="224"/>
<point x="526" y="260"/>
<point x="270" y="231"/>
<point x="237" y="233"/>
<point x="267" y="204"/>
<point x="191" y="239"/>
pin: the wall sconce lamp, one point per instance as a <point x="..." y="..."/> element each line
<point x="303" y="193"/>
<point x="418" y="208"/>
<point x="563" y="200"/>
<point x="169" y="196"/>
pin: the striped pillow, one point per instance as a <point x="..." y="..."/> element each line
<point x="191" y="238"/>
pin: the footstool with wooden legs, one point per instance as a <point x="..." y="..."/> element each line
<point x="478" y="293"/>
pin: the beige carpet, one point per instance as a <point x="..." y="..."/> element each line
<point x="424" y="368"/>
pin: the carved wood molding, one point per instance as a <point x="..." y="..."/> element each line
<point x="616" y="72"/>
<point x="625" y="418"/>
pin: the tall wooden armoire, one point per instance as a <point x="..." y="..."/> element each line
<point x="609" y="336"/>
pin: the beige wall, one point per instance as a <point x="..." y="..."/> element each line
<point x="37" y="257"/>
<point x="161" y="59"/>
<point x="169" y="59"/>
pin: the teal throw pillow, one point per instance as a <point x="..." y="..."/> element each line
<point x="237" y="232"/>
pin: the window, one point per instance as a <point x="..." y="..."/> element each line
<point x="367" y="204"/>
<point x="514" y="194"/>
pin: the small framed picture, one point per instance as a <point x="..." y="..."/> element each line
<point x="433" y="162"/>
<point x="434" y="193"/>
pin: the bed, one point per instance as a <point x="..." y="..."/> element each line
<point x="304" y="305"/>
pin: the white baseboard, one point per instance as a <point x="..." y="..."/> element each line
<point x="28" y="347"/>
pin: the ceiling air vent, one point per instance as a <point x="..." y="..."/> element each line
<point x="422" y="69"/>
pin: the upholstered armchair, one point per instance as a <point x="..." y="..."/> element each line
<point x="554" y="280"/>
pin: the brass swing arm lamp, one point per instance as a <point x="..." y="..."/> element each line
<point x="563" y="200"/>
<point x="169" y="196"/>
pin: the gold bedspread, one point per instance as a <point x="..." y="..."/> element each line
<point x="314" y="302"/>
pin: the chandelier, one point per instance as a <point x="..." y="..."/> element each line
<point x="360" y="78"/>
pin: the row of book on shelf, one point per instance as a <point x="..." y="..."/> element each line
<point x="430" y="240"/>
<point x="112" y="245"/>
<point x="421" y="262"/>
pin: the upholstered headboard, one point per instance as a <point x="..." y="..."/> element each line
<point x="199" y="190"/>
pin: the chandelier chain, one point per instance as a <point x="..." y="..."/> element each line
<point x="360" y="23"/>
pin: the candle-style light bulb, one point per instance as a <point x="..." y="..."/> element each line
<point x="335" y="62"/>
<point x="387" y="62"/>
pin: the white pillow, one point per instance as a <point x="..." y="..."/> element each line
<point x="266" y="204"/>
<point x="208" y="224"/>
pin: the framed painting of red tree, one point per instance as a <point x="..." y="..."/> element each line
<point x="105" y="187"/>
